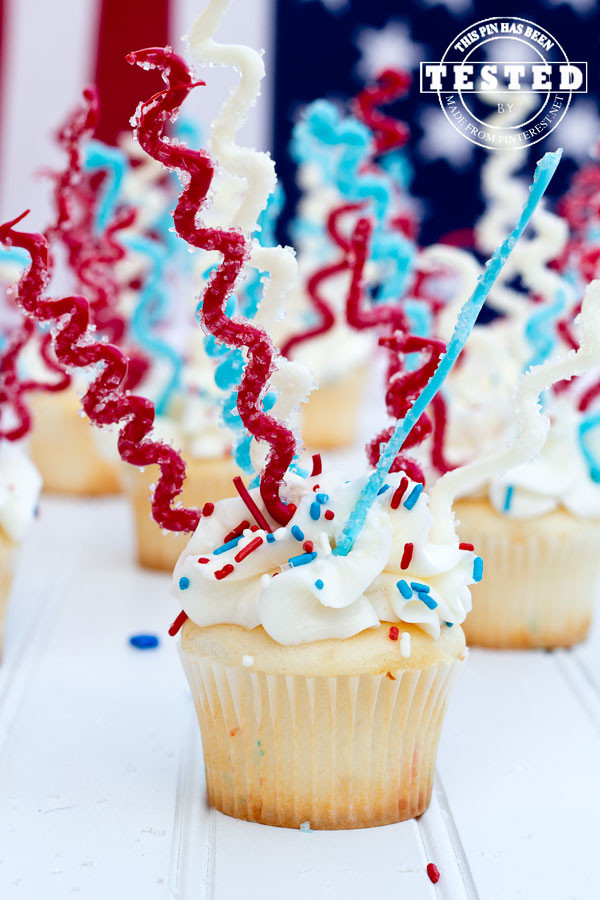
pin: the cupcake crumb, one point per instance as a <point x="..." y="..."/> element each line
<point x="390" y="676"/>
<point x="405" y="645"/>
<point x="247" y="660"/>
<point x="305" y="827"/>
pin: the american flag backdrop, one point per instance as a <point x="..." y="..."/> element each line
<point x="313" y="48"/>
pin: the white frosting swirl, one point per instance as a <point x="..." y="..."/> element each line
<point x="558" y="477"/>
<point x="325" y="596"/>
<point x="20" y="487"/>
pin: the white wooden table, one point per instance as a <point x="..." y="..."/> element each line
<point x="102" y="793"/>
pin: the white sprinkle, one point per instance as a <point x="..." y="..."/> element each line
<point x="247" y="660"/>
<point x="281" y="534"/>
<point x="405" y="645"/>
<point x="305" y="827"/>
<point x="265" y="580"/>
<point x="324" y="545"/>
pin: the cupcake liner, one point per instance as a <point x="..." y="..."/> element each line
<point x="342" y="751"/>
<point x="539" y="580"/>
<point x="8" y="552"/>
<point x="63" y="449"/>
<point x="206" y="480"/>
<point x="330" y="418"/>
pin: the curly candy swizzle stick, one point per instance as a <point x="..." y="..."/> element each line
<point x="197" y="173"/>
<point x="105" y="402"/>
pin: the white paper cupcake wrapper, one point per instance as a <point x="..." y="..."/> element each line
<point x="337" y="752"/>
<point x="536" y="592"/>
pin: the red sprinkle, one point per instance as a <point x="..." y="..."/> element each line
<point x="317" y="465"/>
<point x="406" y="556"/>
<point x="254" y="528"/>
<point x="247" y="550"/>
<point x="236" y="531"/>
<point x="178" y="623"/>
<point x="393" y="633"/>
<point x="203" y="559"/>
<point x="433" y="872"/>
<point x="329" y="514"/>
<point x="224" y="572"/>
<point x="399" y="494"/>
<point x="245" y="495"/>
<point x="465" y="546"/>
<point x="316" y="488"/>
<point x="308" y="546"/>
<point x="208" y="509"/>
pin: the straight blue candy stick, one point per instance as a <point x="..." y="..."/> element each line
<point x="467" y="317"/>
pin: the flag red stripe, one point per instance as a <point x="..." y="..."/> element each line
<point x="126" y="25"/>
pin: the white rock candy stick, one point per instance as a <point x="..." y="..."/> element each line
<point x="256" y="168"/>
<point x="293" y="382"/>
<point x="506" y="194"/>
<point x="533" y="423"/>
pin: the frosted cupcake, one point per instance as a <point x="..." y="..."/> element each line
<point x="537" y="525"/>
<point x="538" y="528"/>
<point x="65" y="451"/>
<point x="20" y="486"/>
<point x="194" y="425"/>
<point x="321" y="681"/>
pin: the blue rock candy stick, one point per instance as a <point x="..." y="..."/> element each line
<point x="112" y="161"/>
<point x="230" y="369"/>
<point x="150" y="309"/>
<point x="540" y="329"/>
<point x="340" y="147"/>
<point x="467" y="316"/>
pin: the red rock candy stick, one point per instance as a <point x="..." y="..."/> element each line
<point x="389" y="133"/>
<point x="92" y="257"/>
<point x="197" y="173"/>
<point x="403" y="387"/>
<point x="105" y="402"/>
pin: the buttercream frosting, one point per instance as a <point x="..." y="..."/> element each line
<point x="20" y="487"/>
<point x="301" y="592"/>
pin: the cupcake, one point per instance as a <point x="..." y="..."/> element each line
<point x="537" y="525"/>
<point x="20" y="486"/>
<point x="65" y="450"/>
<point x="192" y="423"/>
<point x="538" y="528"/>
<point x="321" y="681"/>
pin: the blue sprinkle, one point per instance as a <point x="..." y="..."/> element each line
<point x="297" y="533"/>
<point x="144" y="641"/>
<point x="508" y="497"/>
<point x="322" y="498"/>
<point x="270" y="538"/>
<point x="417" y="586"/>
<point x="315" y="511"/>
<point x="477" y="569"/>
<point x="302" y="559"/>
<point x="184" y="583"/>
<point x="232" y="543"/>
<point x="413" y="496"/>
<point x="427" y="600"/>
<point x="383" y="489"/>
<point x="404" y="589"/>
<point x="449" y="624"/>
<point x="319" y="584"/>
